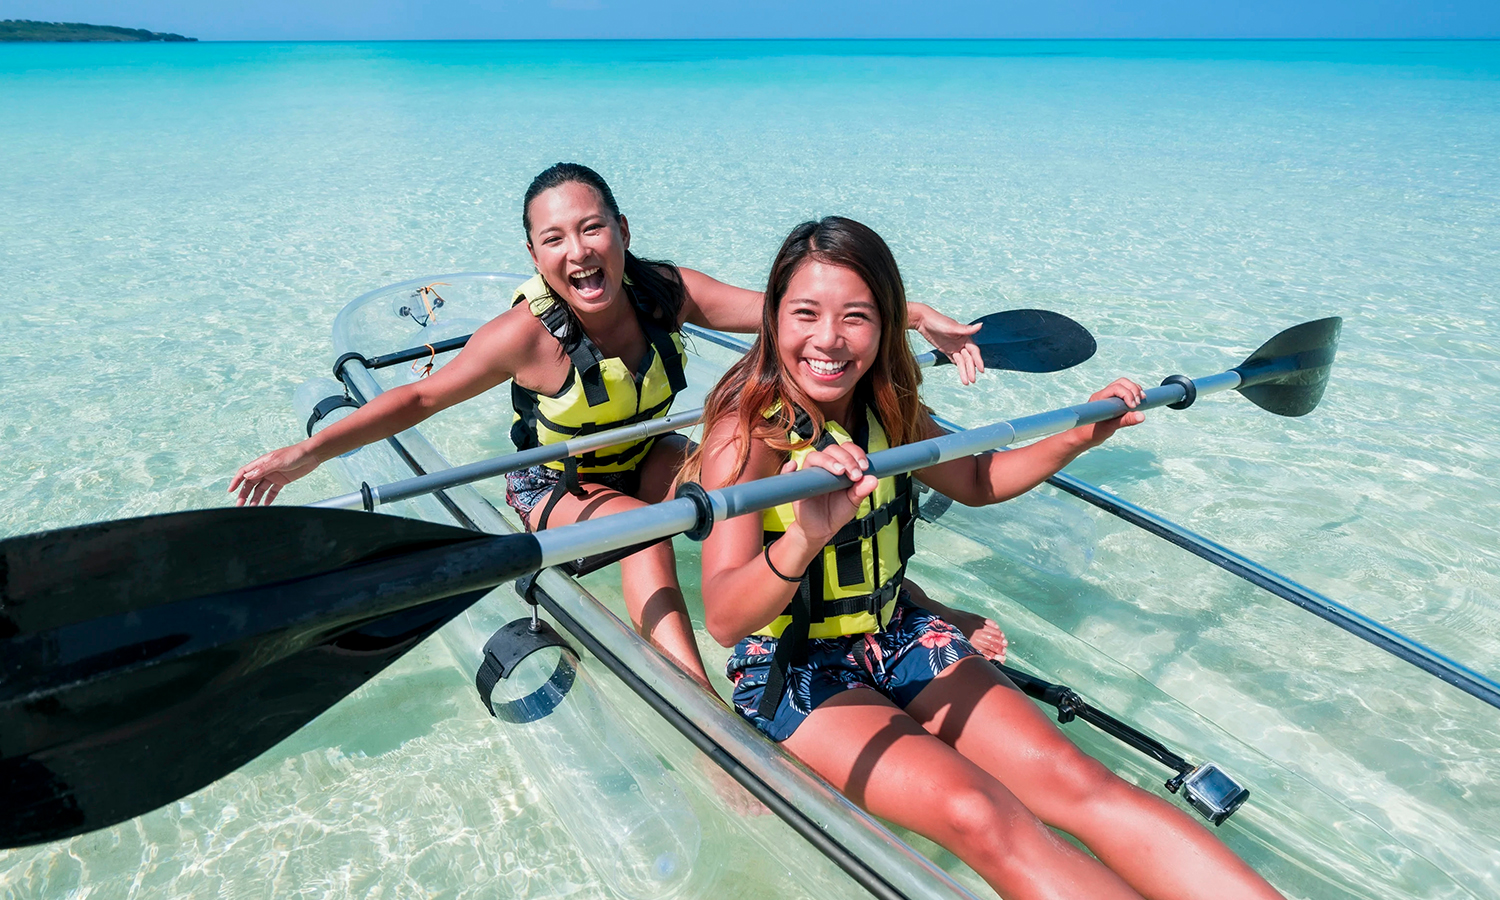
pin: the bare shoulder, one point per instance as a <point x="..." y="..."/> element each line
<point x="511" y="340"/>
<point x="724" y="449"/>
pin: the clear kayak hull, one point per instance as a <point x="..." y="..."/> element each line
<point x="1015" y="561"/>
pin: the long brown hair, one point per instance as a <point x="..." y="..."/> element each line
<point x="757" y="383"/>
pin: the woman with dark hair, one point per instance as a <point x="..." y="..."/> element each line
<point x="867" y="682"/>
<point x="590" y="343"/>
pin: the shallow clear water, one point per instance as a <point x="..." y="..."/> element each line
<point x="181" y="223"/>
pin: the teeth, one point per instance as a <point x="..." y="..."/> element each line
<point x="584" y="274"/>
<point x="827" y="367"/>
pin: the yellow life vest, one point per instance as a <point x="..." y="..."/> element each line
<point x="851" y="587"/>
<point x="599" y="393"/>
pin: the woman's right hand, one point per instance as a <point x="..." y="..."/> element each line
<point x="820" y="517"/>
<point x="261" y="479"/>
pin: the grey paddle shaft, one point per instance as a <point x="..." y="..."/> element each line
<point x="650" y="523"/>
<point x="536" y="456"/>
<point x="512" y="462"/>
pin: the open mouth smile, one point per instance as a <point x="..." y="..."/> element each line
<point x="589" y="282"/>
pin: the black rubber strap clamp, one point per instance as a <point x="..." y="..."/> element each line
<point x="367" y="496"/>
<point x="1189" y="390"/>
<point x="504" y="651"/>
<point x="327" y="405"/>
<point x="694" y="491"/>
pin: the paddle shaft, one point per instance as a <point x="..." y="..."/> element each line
<point x="371" y="496"/>
<point x="665" y="519"/>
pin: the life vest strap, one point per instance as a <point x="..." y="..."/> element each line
<point x="871" y="603"/>
<point x="667" y="352"/>
<point x="791" y="647"/>
<point x="588" y="428"/>
<point x="585" y="357"/>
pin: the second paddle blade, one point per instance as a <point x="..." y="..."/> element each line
<point x="1288" y="374"/>
<point x="1030" y="340"/>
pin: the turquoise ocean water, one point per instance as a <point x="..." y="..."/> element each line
<point x="180" y="224"/>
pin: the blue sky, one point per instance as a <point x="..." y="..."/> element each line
<point x="489" y="19"/>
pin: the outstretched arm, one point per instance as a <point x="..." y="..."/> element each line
<point x="487" y="360"/>
<point x="1000" y="475"/>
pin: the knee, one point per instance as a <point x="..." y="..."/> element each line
<point x="1081" y="783"/>
<point x="976" y="819"/>
<point x="997" y="833"/>
<point x="651" y="568"/>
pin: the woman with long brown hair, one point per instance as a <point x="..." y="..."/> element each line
<point x="590" y="343"/>
<point x="859" y="676"/>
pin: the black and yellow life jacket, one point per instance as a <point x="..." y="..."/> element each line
<point x="599" y="393"/>
<point x="852" y="586"/>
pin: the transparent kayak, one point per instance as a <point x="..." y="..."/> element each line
<point x="654" y="816"/>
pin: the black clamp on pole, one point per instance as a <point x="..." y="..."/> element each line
<point x="694" y="491"/>
<point x="367" y="496"/>
<point x="1189" y="390"/>
<point x="338" y="364"/>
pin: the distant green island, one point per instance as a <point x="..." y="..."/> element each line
<point x="25" y="30"/>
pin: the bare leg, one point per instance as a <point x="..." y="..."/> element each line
<point x="653" y="596"/>
<point x="881" y="759"/>
<point x="1152" y="844"/>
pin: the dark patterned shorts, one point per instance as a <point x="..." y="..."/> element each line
<point x="527" y="489"/>
<point x="915" y="647"/>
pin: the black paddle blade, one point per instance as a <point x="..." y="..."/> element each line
<point x="1288" y="374"/>
<point x="1030" y="340"/>
<point x="143" y="659"/>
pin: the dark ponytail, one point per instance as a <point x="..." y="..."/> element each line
<point x="656" y="285"/>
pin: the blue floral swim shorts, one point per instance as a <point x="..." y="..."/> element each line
<point x="915" y="647"/>
<point x="527" y="488"/>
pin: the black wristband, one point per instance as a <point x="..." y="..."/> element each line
<point x="772" y="566"/>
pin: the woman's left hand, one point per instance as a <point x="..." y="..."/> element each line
<point x="990" y="641"/>
<point x="953" y="339"/>
<point x="984" y="634"/>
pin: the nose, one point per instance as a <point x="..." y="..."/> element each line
<point x="828" y="335"/>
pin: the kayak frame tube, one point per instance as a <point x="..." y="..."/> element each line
<point x="788" y="812"/>
<point x="1329" y="610"/>
<point x="816" y="804"/>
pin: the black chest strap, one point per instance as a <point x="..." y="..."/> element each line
<point x="804" y="608"/>
<point x="585" y="357"/>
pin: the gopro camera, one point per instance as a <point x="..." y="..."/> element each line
<point x="1211" y="791"/>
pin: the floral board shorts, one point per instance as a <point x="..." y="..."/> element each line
<point x="915" y="647"/>
<point x="527" y="489"/>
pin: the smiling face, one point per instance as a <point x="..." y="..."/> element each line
<point x="578" y="245"/>
<point x="827" y="334"/>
